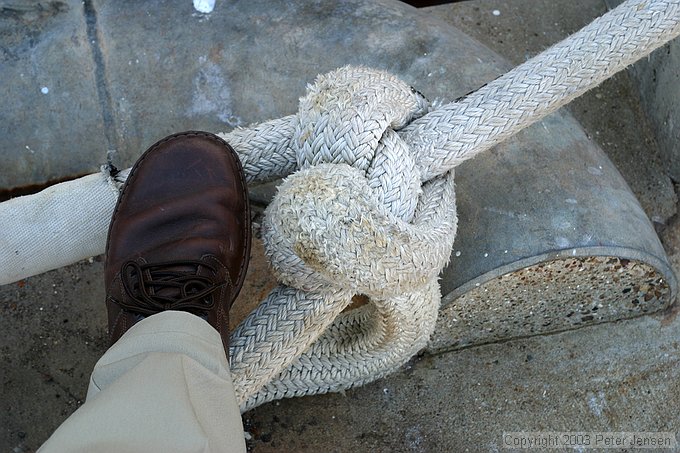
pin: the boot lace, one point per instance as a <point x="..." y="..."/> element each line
<point x="168" y="285"/>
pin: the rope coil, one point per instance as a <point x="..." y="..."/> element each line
<point x="353" y="220"/>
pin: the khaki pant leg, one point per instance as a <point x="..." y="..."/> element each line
<point x="164" y="386"/>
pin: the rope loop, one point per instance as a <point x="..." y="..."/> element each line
<point x="356" y="216"/>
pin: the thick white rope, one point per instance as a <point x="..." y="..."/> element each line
<point x="355" y="218"/>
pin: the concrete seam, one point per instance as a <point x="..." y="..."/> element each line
<point x="103" y="93"/>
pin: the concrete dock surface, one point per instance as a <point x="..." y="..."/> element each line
<point x="612" y="377"/>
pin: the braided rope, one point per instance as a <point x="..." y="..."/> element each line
<point x="540" y="86"/>
<point x="350" y="117"/>
<point x="359" y="185"/>
<point x="370" y="208"/>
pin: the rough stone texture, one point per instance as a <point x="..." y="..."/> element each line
<point x="54" y="331"/>
<point x="658" y="78"/>
<point x="47" y="85"/>
<point x="612" y="377"/>
<point x="549" y="297"/>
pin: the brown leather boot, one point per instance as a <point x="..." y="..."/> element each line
<point x="180" y="235"/>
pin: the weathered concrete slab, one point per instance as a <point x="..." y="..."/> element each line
<point x="251" y="62"/>
<point x="658" y="78"/>
<point x="54" y="331"/>
<point x="51" y="120"/>
<point x="616" y="377"/>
